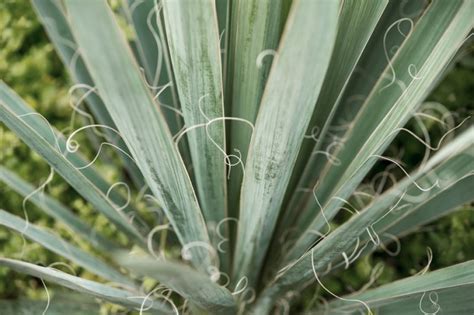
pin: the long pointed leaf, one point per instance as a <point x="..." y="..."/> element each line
<point x="223" y="8"/>
<point x="62" y="248"/>
<point x="140" y="122"/>
<point x="452" y="300"/>
<point x="193" y="40"/>
<point x="449" y="165"/>
<point x="357" y="20"/>
<point x="154" y="56"/>
<point x="99" y="290"/>
<point x="452" y="170"/>
<point x="57" y="210"/>
<point x="438" y="204"/>
<point x="54" y="21"/>
<point x="460" y="275"/>
<point x="255" y="29"/>
<point x="57" y="140"/>
<point x="369" y="69"/>
<point x="455" y="178"/>
<point x="290" y="95"/>
<point x="11" y="111"/>
<point x="56" y="306"/>
<point x="192" y="285"/>
<point x="373" y="62"/>
<point x="387" y="109"/>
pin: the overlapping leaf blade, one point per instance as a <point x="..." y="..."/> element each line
<point x="448" y="166"/>
<point x="192" y="285"/>
<point x="193" y="40"/>
<point x="55" y="23"/>
<point x="44" y="141"/>
<point x="292" y="89"/>
<point x="58" y="305"/>
<point x="41" y="126"/>
<point x="452" y="300"/>
<point x="194" y="30"/>
<point x="391" y="31"/>
<point x="457" y="157"/>
<point x="454" y="181"/>
<point x="98" y="290"/>
<point x="386" y="110"/>
<point x="357" y="21"/>
<point x="457" y="277"/>
<point x="387" y="36"/>
<point x="62" y="248"/>
<point x="56" y="210"/>
<point x="438" y="204"/>
<point x="255" y="29"/>
<point x="223" y="8"/>
<point x="139" y="120"/>
<point x="152" y="52"/>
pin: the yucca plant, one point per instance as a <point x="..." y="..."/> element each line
<point x="251" y="124"/>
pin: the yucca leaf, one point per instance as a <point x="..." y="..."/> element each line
<point x="406" y="217"/>
<point x="223" y="8"/>
<point x="255" y="29"/>
<point x="193" y="40"/>
<point x="55" y="23"/>
<point x="431" y="207"/>
<point x="62" y="248"/>
<point x="387" y="109"/>
<point x="58" y="141"/>
<point x="369" y="70"/>
<point x="154" y="56"/>
<point x="26" y="307"/>
<point x="357" y="20"/>
<point x="139" y="120"/>
<point x="454" y="159"/>
<point x="141" y="17"/>
<point x="290" y="95"/>
<point x="152" y="51"/>
<point x="169" y="76"/>
<point x="36" y="136"/>
<point x="454" y="278"/>
<point x="60" y="304"/>
<point x="452" y="300"/>
<point x="373" y="61"/>
<point x="455" y="180"/>
<point x="192" y="285"/>
<point x="98" y="290"/>
<point x="55" y="209"/>
<point x="405" y="201"/>
<point x="52" y="16"/>
<point x="438" y="204"/>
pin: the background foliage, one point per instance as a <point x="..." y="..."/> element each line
<point x="30" y="66"/>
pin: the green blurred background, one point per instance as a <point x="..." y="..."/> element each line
<point x="29" y="65"/>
